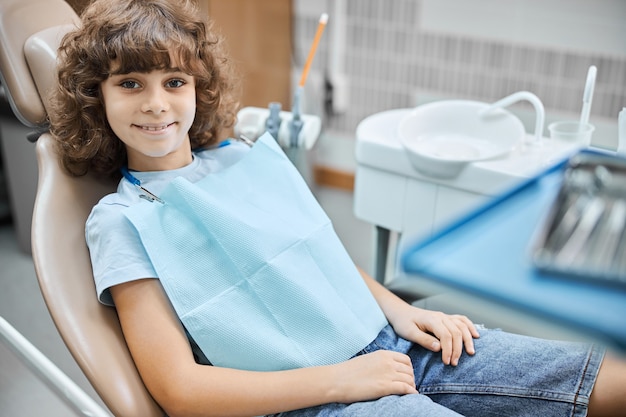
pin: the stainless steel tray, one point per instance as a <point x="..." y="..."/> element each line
<point x="584" y="233"/>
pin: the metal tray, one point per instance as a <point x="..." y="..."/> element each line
<point x="584" y="234"/>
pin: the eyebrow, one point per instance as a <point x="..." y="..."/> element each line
<point x="168" y="70"/>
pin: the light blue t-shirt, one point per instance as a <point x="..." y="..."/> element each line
<point x="117" y="254"/>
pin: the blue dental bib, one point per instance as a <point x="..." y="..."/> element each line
<point x="254" y="268"/>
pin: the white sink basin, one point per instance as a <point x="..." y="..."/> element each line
<point x="442" y="137"/>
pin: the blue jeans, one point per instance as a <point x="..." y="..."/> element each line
<point x="510" y="375"/>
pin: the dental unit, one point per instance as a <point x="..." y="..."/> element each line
<point x="460" y="195"/>
<point x="419" y="168"/>
<point x="290" y="129"/>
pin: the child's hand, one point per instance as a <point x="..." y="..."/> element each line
<point x="374" y="375"/>
<point x="436" y="331"/>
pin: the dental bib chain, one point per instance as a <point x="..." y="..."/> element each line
<point x="135" y="181"/>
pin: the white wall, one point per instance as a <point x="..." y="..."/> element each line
<point x="597" y="26"/>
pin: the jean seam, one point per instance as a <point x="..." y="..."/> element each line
<point x="498" y="390"/>
<point x="581" y="382"/>
<point x="588" y="372"/>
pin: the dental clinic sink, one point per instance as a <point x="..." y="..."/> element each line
<point x="391" y="192"/>
<point x="441" y="138"/>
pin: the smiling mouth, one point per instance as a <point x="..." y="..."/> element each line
<point x="154" y="128"/>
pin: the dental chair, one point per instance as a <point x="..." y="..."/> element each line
<point x="90" y="330"/>
<point x="31" y="32"/>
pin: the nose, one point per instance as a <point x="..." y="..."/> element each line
<point x="155" y="101"/>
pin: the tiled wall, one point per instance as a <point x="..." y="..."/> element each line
<point x="389" y="60"/>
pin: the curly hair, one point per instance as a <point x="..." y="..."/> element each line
<point x="140" y="36"/>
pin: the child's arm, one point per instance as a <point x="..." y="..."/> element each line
<point x="164" y="359"/>
<point x="431" y="329"/>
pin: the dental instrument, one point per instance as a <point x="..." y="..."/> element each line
<point x="585" y="234"/>
<point x="588" y="95"/>
<point x="621" y="132"/>
<point x="580" y="235"/>
<point x="290" y="129"/>
<point x="572" y="212"/>
<point x="295" y="125"/>
<point x="252" y="122"/>
<point x="318" y="35"/>
<point x="519" y="96"/>
<point x="608" y="238"/>
<point x="272" y="124"/>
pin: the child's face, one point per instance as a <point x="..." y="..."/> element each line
<point x="152" y="114"/>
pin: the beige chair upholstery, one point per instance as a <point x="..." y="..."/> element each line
<point x="90" y="330"/>
<point x="30" y="32"/>
<point x="19" y="20"/>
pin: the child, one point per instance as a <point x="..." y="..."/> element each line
<point x="145" y="89"/>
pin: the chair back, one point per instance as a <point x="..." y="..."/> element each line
<point x="90" y="330"/>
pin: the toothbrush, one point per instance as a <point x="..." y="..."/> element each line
<point x="588" y="96"/>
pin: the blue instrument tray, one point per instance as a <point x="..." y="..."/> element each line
<point x="489" y="253"/>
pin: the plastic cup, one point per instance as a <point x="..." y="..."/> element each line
<point x="572" y="131"/>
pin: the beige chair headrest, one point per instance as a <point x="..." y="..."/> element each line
<point x="19" y="20"/>
<point x="40" y="51"/>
